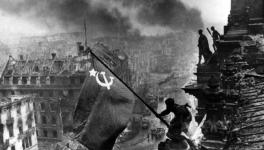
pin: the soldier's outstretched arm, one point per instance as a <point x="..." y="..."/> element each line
<point x="165" y="112"/>
<point x="218" y="34"/>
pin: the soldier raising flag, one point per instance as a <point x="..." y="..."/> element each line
<point x="105" y="104"/>
<point x="216" y="36"/>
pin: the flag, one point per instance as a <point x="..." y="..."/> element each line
<point x="105" y="105"/>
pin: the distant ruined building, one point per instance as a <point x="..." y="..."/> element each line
<point x="56" y="84"/>
<point x="17" y="123"/>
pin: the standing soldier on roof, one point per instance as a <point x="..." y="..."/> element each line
<point x="204" y="49"/>
<point x="216" y="36"/>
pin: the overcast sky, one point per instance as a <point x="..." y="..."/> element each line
<point x="214" y="12"/>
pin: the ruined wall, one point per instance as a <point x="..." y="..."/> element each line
<point x="237" y="6"/>
<point x="256" y="8"/>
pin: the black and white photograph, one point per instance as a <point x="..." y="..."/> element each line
<point x="131" y="74"/>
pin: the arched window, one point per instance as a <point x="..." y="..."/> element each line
<point x="55" y="133"/>
<point x="30" y="119"/>
<point x="44" y="119"/>
<point x="20" y="125"/>
<point x="53" y="120"/>
<point x="42" y="106"/>
<point x="1" y="133"/>
<point x="45" y="133"/>
<point x="36" y="69"/>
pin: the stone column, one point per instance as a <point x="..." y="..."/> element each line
<point x="29" y="80"/>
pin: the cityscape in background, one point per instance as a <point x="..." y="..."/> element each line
<point x="50" y="70"/>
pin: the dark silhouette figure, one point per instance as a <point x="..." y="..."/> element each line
<point x="204" y="49"/>
<point x="216" y="37"/>
<point x="181" y="120"/>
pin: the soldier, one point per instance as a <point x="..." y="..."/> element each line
<point x="216" y="36"/>
<point x="204" y="49"/>
<point x="180" y="122"/>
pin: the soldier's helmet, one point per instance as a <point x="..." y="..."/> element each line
<point x="213" y="28"/>
<point x="200" y="31"/>
<point x="169" y="101"/>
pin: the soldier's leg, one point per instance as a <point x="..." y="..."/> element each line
<point x="200" y="57"/>
<point x="214" y="45"/>
<point x="174" y="130"/>
<point x="207" y="55"/>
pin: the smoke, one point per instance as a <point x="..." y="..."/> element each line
<point x="170" y="13"/>
<point x="106" y="17"/>
<point x="67" y="15"/>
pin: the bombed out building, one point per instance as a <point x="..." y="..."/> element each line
<point x="17" y="123"/>
<point x="55" y="83"/>
<point x="229" y="87"/>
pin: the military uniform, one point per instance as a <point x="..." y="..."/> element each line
<point x="180" y="122"/>
<point x="216" y="37"/>
<point x="204" y="49"/>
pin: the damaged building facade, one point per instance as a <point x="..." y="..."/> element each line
<point x="17" y="123"/>
<point x="229" y="87"/>
<point x="55" y="83"/>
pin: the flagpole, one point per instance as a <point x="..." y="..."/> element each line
<point x="149" y="107"/>
<point x="85" y="34"/>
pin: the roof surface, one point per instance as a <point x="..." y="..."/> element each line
<point x="39" y="67"/>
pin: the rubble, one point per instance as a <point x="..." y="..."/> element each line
<point x="235" y="105"/>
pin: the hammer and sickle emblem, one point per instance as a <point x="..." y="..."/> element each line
<point x="106" y="83"/>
